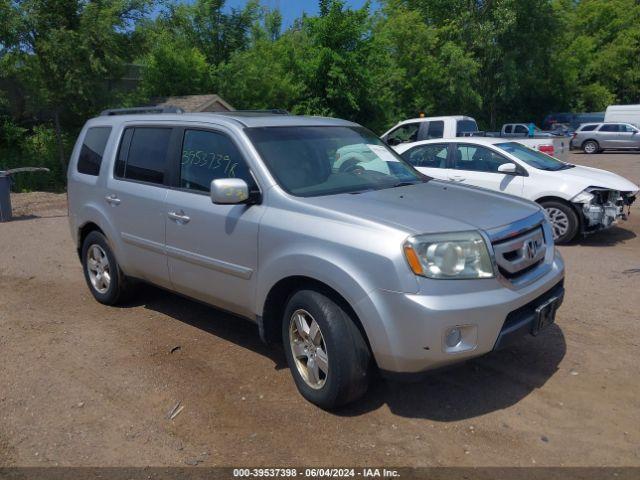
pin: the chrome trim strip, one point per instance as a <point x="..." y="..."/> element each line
<point x="143" y="243"/>
<point x="516" y="228"/>
<point x="208" y="262"/>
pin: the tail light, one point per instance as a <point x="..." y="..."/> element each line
<point x="548" y="149"/>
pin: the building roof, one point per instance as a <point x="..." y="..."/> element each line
<point x="195" y="103"/>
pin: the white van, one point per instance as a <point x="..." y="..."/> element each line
<point x="623" y="113"/>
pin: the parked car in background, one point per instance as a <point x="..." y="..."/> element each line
<point x="519" y="130"/>
<point x="425" y="128"/>
<point x="573" y="120"/>
<point x="623" y="114"/>
<point x="349" y="267"/>
<point x="597" y="137"/>
<point x="576" y="199"/>
<point x="417" y="129"/>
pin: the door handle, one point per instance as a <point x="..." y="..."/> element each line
<point x="457" y="178"/>
<point x="179" y="217"/>
<point x="112" y="199"/>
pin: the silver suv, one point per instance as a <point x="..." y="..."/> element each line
<point x="350" y="264"/>
<point x="596" y="137"/>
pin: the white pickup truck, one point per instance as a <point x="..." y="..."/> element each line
<point x="428" y="128"/>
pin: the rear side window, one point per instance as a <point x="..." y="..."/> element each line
<point x="429" y="156"/>
<point x="92" y="150"/>
<point x="436" y="130"/>
<point x="588" y="128"/>
<point x="143" y="154"/>
<point x="610" y="128"/>
<point x="208" y="156"/>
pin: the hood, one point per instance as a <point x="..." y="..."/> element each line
<point x="431" y="207"/>
<point x="595" y="177"/>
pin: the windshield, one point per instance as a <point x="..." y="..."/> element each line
<point x="533" y="157"/>
<point x="313" y="161"/>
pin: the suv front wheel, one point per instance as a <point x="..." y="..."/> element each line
<point x="106" y="281"/>
<point x="327" y="355"/>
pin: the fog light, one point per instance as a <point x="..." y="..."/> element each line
<point x="453" y="337"/>
<point x="460" y="338"/>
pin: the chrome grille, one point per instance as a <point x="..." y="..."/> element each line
<point x="518" y="255"/>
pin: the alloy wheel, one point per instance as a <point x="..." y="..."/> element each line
<point x="559" y="221"/>
<point x="308" y="348"/>
<point x="98" y="268"/>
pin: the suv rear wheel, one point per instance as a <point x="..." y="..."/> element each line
<point x="590" y="147"/>
<point x="101" y="271"/>
<point x="328" y="357"/>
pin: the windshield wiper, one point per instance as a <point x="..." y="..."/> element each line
<point x="406" y="184"/>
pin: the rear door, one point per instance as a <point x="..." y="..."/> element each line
<point x="212" y="249"/>
<point x="430" y="159"/>
<point x="136" y="192"/>
<point x="477" y="165"/>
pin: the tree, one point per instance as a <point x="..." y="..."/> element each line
<point x="174" y="68"/>
<point x="64" y="51"/>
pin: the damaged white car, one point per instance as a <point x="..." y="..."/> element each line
<point x="577" y="200"/>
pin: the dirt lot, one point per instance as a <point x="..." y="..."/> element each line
<point x="84" y="384"/>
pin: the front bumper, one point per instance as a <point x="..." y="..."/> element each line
<point x="409" y="337"/>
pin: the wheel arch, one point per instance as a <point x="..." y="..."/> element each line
<point x="590" y="140"/>
<point x="85" y="230"/>
<point x="276" y="301"/>
<point x="552" y="198"/>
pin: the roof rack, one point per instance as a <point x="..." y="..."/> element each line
<point x="140" y="110"/>
<point x="272" y="111"/>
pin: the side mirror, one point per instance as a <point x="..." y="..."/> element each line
<point x="229" y="191"/>
<point x="508" y="168"/>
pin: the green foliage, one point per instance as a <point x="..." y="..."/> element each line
<point x="174" y="68"/>
<point x="37" y="148"/>
<point x="499" y="61"/>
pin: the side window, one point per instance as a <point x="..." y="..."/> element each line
<point x="520" y="129"/>
<point x="92" y="150"/>
<point x="143" y="153"/>
<point x="436" y="130"/>
<point x="628" y="129"/>
<point x="588" y="128"/>
<point x="430" y="156"/>
<point x="207" y="156"/>
<point x="477" y="158"/>
<point x="404" y="134"/>
<point x="610" y="128"/>
<point x="508" y="129"/>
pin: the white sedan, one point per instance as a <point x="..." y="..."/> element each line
<point x="577" y="199"/>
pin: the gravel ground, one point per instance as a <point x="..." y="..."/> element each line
<point x="87" y="385"/>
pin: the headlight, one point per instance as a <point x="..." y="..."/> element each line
<point x="583" y="197"/>
<point x="449" y="255"/>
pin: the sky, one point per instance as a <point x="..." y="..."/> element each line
<point x="292" y="9"/>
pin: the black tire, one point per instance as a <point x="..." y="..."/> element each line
<point x="117" y="287"/>
<point x="573" y="222"/>
<point x="348" y="354"/>
<point x="590" y="147"/>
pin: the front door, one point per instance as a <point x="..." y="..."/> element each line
<point x="608" y="135"/>
<point x="478" y="165"/>
<point x="212" y="249"/>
